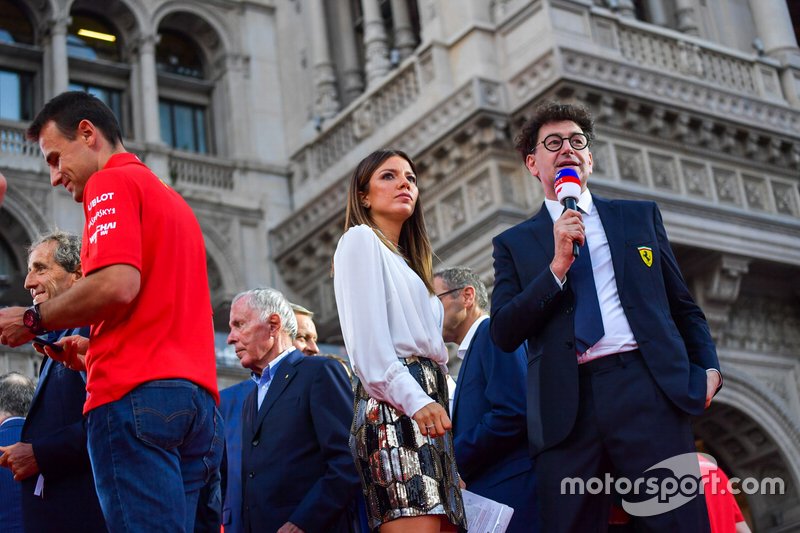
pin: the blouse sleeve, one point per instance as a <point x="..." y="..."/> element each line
<point x="362" y="301"/>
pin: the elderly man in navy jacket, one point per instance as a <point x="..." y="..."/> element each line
<point x="489" y="435"/>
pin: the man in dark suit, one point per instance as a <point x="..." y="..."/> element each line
<point x="230" y="405"/>
<point x="51" y="459"/>
<point x="16" y="392"/>
<point x="489" y="435"/>
<point x="619" y="354"/>
<point x="297" y="471"/>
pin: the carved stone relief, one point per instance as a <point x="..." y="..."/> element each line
<point x="480" y="193"/>
<point x="727" y="186"/>
<point x="755" y="189"/>
<point x="664" y="172"/>
<point x="696" y="179"/>
<point x="631" y="164"/>
<point x="785" y="198"/>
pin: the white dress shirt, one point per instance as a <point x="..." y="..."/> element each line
<point x="618" y="335"/>
<point x="467" y="340"/>
<point x="386" y="313"/>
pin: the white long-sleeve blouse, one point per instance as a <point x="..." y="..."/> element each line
<point x="385" y="312"/>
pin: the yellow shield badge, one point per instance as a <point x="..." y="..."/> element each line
<point x="647" y="255"/>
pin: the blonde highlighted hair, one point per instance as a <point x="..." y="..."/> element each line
<point x="413" y="244"/>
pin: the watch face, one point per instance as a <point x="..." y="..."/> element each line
<point x="29" y="319"/>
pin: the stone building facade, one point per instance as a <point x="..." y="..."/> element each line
<point x="258" y="110"/>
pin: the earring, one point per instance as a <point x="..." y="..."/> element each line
<point x="365" y="205"/>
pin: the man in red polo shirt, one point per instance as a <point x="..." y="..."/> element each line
<point x="154" y="434"/>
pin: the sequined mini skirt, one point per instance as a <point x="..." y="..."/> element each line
<point x="404" y="473"/>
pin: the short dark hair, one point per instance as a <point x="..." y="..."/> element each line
<point x="68" y="109"/>
<point x="67" y="252"/>
<point x="550" y="112"/>
<point x="16" y="393"/>
<point x="456" y="277"/>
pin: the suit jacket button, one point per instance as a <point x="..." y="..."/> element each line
<point x="251" y="475"/>
<point x="255" y="442"/>
<point x="570" y="310"/>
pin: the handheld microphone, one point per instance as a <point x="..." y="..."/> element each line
<point x="567" y="185"/>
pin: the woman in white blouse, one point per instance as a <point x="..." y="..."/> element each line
<point x="391" y="322"/>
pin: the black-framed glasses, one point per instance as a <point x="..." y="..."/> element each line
<point x="445" y="293"/>
<point x="554" y="142"/>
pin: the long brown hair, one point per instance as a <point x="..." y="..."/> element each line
<point x="413" y="244"/>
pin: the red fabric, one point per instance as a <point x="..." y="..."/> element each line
<point x="134" y="218"/>
<point x="723" y="511"/>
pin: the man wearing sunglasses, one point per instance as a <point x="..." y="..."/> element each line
<point x="619" y="354"/>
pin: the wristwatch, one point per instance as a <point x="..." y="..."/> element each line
<point x="33" y="320"/>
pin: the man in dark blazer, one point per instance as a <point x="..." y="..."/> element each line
<point x="16" y="392"/>
<point x="297" y="471"/>
<point x="619" y="354"/>
<point x="231" y="401"/>
<point x="489" y="435"/>
<point x="51" y="460"/>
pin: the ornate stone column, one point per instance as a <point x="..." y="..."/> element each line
<point x="375" y="44"/>
<point x="658" y="16"/>
<point x="145" y="49"/>
<point x="326" y="101"/>
<point x="684" y="10"/>
<point x="774" y="27"/>
<point x="624" y="8"/>
<point x="404" y="40"/>
<point x="352" y="82"/>
<point x="56" y="62"/>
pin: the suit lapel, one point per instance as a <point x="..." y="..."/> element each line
<point x="614" y="227"/>
<point x="47" y="363"/>
<point x="541" y="226"/>
<point x="284" y="374"/>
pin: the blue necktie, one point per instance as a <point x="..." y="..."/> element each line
<point x="588" y="320"/>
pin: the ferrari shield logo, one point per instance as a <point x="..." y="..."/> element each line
<point x="647" y="255"/>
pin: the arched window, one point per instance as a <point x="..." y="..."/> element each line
<point x="15" y="27"/>
<point x="176" y="54"/>
<point x="97" y="65"/>
<point x="90" y="37"/>
<point x="184" y="92"/>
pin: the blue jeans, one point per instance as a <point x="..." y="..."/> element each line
<point x="152" y="451"/>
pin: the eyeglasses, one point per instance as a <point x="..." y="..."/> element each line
<point x="554" y="142"/>
<point x="445" y="293"/>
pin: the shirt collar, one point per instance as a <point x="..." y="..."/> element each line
<point x="555" y="208"/>
<point x="464" y="346"/>
<point x="272" y="367"/>
<point x="124" y="158"/>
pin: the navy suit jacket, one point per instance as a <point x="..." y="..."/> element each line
<point x="56" y="429"/>
<point x="231" y="402"/>
<point x="10" y="504"/>
<point x="490" y="439"/>
<point x="527" y="304"/>
<point x="296" y="461"/>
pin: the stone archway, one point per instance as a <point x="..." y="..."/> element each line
<point x="750" y="436"/>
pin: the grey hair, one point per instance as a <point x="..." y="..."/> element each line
<point x="456" y="277"/>
<point x="16" y="393"/>
<point x="67" y="252"/>
<point x="300" y="310"/>
<point x="270" y="301"/>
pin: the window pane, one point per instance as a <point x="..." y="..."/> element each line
<point x="200" y="123"/>
<point x="184" y="128"/>
<point x="15" y="95"/>
<point x="165" y="116"/>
